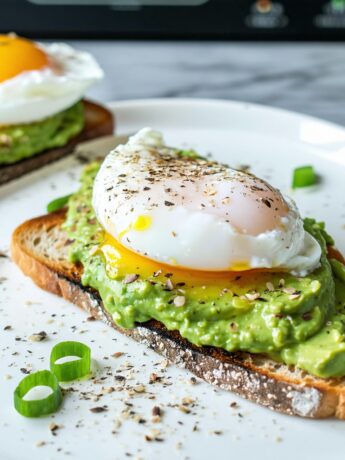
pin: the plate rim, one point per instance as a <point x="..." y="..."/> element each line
<point x="226" y="103"/>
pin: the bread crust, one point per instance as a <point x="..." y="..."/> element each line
<point x="254" y="377"/>
<point x="99" y="121"/>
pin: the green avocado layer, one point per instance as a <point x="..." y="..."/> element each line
<point x="26" y="140"/>
<point x="299" y="321"/>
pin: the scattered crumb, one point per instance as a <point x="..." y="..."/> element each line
<point x="54" y="427"/>
<point x="117" y="354"/>
<point x="139" y="388"/>
<point x="40" y="443"/>
<point x="91" y="318"/>
<point x="25" y="370"/>
<point x="154" y="378"/>
<point x="38" y="336"/>
<point x="156" y="410"/>
<point x="98" y="409"/>
<point x="184" y="409"/>
<point x="187" y="401"/>
<point x="154" y="435"/>
<point x="156" y="414"/>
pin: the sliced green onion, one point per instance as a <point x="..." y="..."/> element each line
<point x="37" y="407"/>
<point x="70" y="370"/>
<point x="58" y="203"/>
<point x="303" y="176"/>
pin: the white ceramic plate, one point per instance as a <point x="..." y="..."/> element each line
<point x="272" y="142"/>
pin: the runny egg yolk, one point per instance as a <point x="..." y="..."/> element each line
<point x="140" y="224"/>
<point x="121" y="261"/>
<point x="18" y="55"/>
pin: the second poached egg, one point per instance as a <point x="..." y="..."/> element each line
<point x="39" y="80"/>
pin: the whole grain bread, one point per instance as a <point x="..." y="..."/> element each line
<point x="40" y="249"/>
<point x="99" y="121"/>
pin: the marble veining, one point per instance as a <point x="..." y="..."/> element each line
<point x="307" y="78"/>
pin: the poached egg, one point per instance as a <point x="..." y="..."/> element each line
<point x="194" y="214"/>
<point x="39" y="80"/>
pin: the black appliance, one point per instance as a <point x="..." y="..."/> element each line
<point x="176" y="19"/>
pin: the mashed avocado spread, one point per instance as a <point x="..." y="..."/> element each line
<point x="299" y="321"/>
<point x="26" y="140"/>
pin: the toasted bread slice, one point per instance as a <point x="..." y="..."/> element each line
<point x="40" y="249"/>
<point x="99" y="121"/>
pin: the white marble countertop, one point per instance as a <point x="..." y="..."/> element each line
<point x="308" y="78"/>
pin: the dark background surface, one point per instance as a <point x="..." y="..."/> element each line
<point x="215" y="19"/>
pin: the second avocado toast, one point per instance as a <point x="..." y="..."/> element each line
<point x="43" y="113"/>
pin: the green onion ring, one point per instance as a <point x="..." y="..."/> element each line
<point x="72" y="369"/>
<point x="58" y="203"/>
<point x="37" y="407"/>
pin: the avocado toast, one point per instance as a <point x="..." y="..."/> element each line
<point x="271" y="336"/>
<point x="89" y="121"/>
<point x="43" y="114"/>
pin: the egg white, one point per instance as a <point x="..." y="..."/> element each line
<point x="185" y="235"/>
<point x="35" y="95"/>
